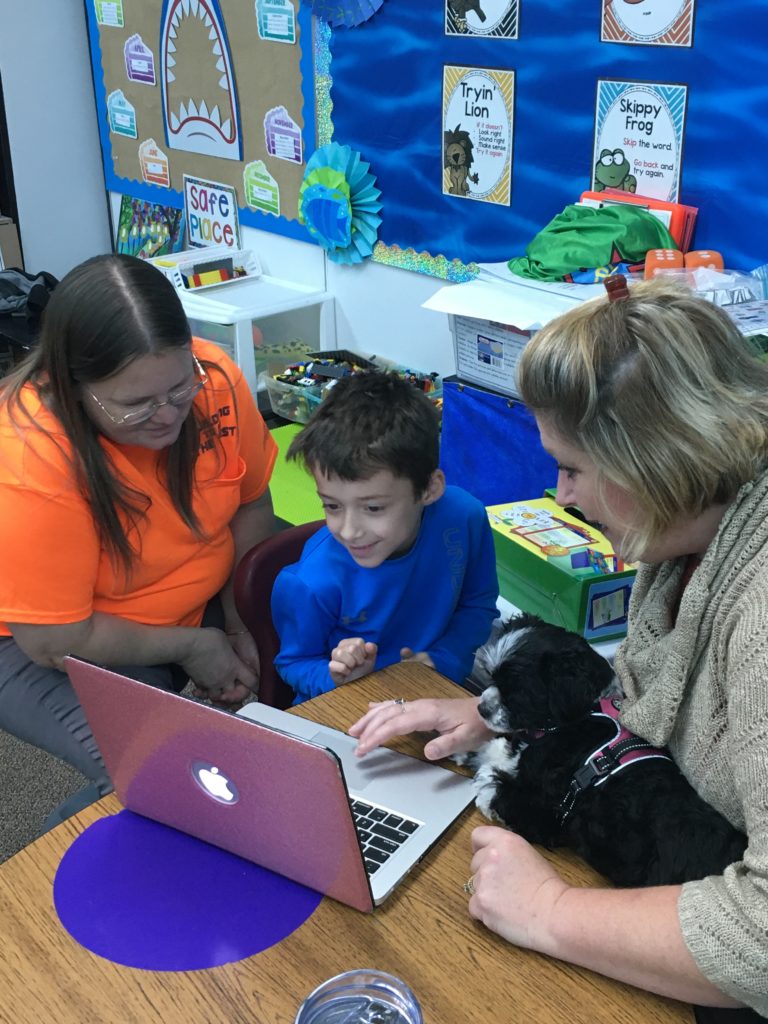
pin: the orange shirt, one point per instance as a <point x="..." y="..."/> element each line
<point x="52" y="566"/>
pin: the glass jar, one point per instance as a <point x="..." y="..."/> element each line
<point x="363" y="996"/>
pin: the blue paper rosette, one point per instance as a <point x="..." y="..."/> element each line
<point x="339" y="203"/>
<point x="344" y="13"/>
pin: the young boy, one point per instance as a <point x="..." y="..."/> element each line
<point x="405" y="567"/>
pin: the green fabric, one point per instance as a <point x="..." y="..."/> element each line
<point x="293" y="489"/>
<point x="588" y="236"/>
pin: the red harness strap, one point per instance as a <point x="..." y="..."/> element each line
<point x="620" y="751"/>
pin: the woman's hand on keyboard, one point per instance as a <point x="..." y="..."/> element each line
<point x="456" y="720"/>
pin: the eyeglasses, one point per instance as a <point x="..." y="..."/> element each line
<point x="146" y="412"/>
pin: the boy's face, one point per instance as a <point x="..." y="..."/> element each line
<point x="376" y="518"/>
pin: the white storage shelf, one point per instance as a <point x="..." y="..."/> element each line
<point x="236" y="305"/>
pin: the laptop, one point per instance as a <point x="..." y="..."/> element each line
<point x="280" y="791"/>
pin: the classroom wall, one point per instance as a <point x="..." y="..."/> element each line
<point x="63" y="211"/>
<point x="54" y="141"/>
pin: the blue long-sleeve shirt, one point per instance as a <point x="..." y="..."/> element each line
<point x="439" y="597"/>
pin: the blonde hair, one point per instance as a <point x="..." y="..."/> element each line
<point x="662" y="393"/>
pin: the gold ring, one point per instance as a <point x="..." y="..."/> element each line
<point x="469" y="886"/>
<point x="400" y="701"/>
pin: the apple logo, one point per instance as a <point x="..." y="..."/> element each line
<point x="213" y="782"/>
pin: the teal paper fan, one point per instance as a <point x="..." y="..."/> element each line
<point x="339" y="203"/>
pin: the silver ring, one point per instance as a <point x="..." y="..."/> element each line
<point x="469" y="886"/>
<point x="400" y="701"/>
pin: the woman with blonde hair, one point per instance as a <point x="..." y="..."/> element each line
<point x="656" y="411"/>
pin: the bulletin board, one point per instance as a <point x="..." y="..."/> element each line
<point x="541" y="68"/>
<point x="222" y="90"/>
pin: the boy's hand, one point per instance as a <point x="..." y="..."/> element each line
<point x="352" y="659"/>
<point x="407" y="654"/>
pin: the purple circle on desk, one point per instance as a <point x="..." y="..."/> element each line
<point x="145" y="895"/>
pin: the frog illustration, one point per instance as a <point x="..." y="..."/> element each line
<point x="612" y="171"/>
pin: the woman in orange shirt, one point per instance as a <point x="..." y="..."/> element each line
<point x="134" y="473"/>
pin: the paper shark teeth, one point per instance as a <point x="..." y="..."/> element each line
<point x="191" y="125"/>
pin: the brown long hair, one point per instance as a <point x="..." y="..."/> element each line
<point x="105" y="313"/>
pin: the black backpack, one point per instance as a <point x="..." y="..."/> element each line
<point x="25" y="295"/>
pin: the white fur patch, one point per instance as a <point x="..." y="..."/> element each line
<point x="493" y="757"/>
<point x="494" y="714"/>
<point x="494" y="654"/>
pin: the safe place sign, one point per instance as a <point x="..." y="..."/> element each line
<point x="211" y="211"/>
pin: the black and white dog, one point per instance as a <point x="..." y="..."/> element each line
<point x="564" y="773"/>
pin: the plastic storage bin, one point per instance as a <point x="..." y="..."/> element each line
<point x="285" y="313"/>
<point x="297" y="402"/>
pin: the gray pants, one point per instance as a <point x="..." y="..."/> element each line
<point x="39" y="705"/>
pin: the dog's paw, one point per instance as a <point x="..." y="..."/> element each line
<point x="464" y="759"/>
<point x="485" y="784"/>
<point x="496" y="759"/>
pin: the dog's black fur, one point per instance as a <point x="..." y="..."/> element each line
<point x="643" y="826"/>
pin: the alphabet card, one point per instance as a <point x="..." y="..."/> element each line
<point x="648" y="22"/>
<point x="211" y="211"/>
<point x="639" y="128"/>
<point x="478" y="129"/>
<point x="492" y="18"/>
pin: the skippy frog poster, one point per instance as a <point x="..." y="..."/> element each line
<point x="478" y="133"/>
<point x="639" y="128"/>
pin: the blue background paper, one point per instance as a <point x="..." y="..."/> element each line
<point x="387" y="103"/>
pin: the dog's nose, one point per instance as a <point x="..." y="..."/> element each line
<point x="455" y="158"/>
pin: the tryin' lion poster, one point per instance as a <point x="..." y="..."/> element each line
<point x="478" y="132"/>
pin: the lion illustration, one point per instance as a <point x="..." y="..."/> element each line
<point x="458" y="158"/>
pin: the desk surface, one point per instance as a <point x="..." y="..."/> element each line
<point x="459" y="970"/>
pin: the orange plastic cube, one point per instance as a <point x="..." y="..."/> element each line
<point x="704" y="258"/>
<point x="662" y="259"/>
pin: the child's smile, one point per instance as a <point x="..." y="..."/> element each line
<point x="376" y="518"/>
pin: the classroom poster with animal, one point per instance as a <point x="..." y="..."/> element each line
<point x="649" y="22"/>
<point x="491" y="18"/>
<point x="478" y="132"/>
<point x="639" y="129"/>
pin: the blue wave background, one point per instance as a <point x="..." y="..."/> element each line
<point x="387" y="103"/>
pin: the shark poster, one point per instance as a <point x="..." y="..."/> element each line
<point x="207" y="89"/>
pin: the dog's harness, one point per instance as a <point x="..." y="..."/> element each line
<point x="620" y="751"/>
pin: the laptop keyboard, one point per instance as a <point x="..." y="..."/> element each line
<point x="381" y="832"/>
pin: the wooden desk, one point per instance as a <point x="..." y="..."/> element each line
<point x="459" y="971"/>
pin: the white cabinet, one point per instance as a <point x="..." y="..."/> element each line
<point x="282" y="310"/>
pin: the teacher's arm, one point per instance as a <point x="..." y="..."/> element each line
<point x="632" y="935"/>
<point x="205" y="654"/>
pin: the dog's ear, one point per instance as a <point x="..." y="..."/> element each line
<point x="545" y="675"/>
<point x="575" y="677"/>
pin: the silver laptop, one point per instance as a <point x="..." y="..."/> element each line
<point x="285" y="793"/>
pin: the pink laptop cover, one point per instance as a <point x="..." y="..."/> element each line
<point x="292" y="812"/>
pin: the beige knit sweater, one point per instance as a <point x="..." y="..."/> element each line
<point x="701" y="688"/>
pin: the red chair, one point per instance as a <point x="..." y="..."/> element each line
<point x="254" y="580"/>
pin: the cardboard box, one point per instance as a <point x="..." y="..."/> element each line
<point x="487" y="352"/>
<point x="493" y="318"/>
<point x="555" y="566"/>
<point x="10" y="250"/>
